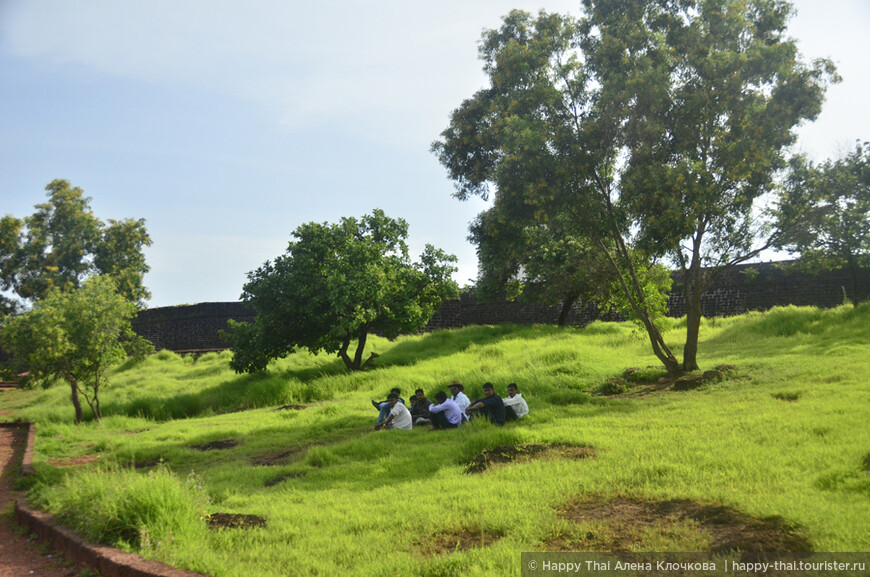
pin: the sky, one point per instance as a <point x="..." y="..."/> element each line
<point x="227" y="124"/>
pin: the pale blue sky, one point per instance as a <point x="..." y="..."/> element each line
<point x="227" y="124"/>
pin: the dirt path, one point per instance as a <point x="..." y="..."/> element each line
<point x="20" y="556"/>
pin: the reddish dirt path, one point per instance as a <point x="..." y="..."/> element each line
<point x="19" y="556"/>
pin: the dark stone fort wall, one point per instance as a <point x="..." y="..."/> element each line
<point x="743" y="288"/>
<point x="190" y="327"/>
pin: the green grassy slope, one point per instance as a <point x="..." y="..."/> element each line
<point x="784" y="435"/>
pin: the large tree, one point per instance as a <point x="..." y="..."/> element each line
<point x="63" y="242"/>
<point x="829" y="205"/>
<point x="338" y="283"/>
<point x="656" y="126"/>
<point x="75" y="335"/>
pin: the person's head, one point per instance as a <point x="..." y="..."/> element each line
<point x="440" y="396"/>
<point x="512" y="390"/>
<point x="488" y="389"/>
<point x="455" y="388"/>
<point x="396" y="391"/>
<point x="393" y="399"/>
<point x="420" y="394"/>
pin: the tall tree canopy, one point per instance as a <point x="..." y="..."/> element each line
<point x="63" y="243"/>
<point x="339" y="283"/>
<point x="75" y="335"/>
<point x="829" y="205"/>
<point x="655" y="126"/>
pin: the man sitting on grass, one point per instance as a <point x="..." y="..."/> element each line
<point x="490" y="405"/>
<point x="458" y="396"/>
<point x="420" y="408"/>
<point x="399" y="416"/>
<point x="515" y="406"/>
<point x="445" y="412"/>
<point x="384" y="406"/>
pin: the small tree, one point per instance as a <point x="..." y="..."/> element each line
<point x="338" y="283"/>
<point x="75" y="336"/>
<point x="63" y="242"/>
<point x="829" y="206"/>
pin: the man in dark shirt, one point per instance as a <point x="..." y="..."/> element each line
<point x="420" y="408"/>
<point x="490" y="405"/>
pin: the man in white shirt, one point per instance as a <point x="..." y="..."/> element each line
<point x="515" y="406"/>
<point x="460" y="398"/>
<point x="399" y="417"/>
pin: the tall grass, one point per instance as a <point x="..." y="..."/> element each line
<point x="784" y="435"/>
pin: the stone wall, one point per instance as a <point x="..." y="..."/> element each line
<point x="190" y="327"/>
<point x="741" y="289"/>
<point x="758" y="287"/>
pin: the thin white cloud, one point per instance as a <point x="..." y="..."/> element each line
<point x="362" y="64"/>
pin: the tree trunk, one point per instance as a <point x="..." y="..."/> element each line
<point x="342" y="352"/>
<point x="661" y="349"/>
<point x="76" y="402"/>
<point x="693" y="329"/>
<point x="659" y="346"/>
<point x="98" y="412"/>
<point x="566" y="309"/>
<point x="694" y="288"/>
<point x="360" y="346"/>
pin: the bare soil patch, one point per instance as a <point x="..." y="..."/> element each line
<point x="277" y="457"/>
<point x="727" y="529"/>
<point x="292" y="408"/>
<point x="789" y="396"/>
<point x="633" y="383"/>
<point x="216" y="445"/>
<point x="74" y="461"/>
<point x="235" y="521"/>
<point x="522" y="453"/>
<point x="282" y="478"/>
<point x="453" y="541"/>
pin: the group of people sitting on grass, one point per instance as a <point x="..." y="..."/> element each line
<point x="449" y="412"/>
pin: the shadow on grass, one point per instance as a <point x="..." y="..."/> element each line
<point x="238" y="394"/>
<point x="338" y="451"/>
<point x="444" y="343"/>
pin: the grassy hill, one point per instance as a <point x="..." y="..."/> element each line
<point x="774" y="455"/>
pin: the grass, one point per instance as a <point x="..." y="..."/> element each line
<point x="785" y="435"/>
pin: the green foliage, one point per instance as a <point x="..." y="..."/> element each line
<point x="825" y="214"/>
<point x="337" y="283"/>
<point x="548" y="263"/>
<point x="652" y="127"/>
<point x="654" y="283"/>
<point x="75" y="336"/>
<point x="63" y="242"/>
<point x="152" y="512"/>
